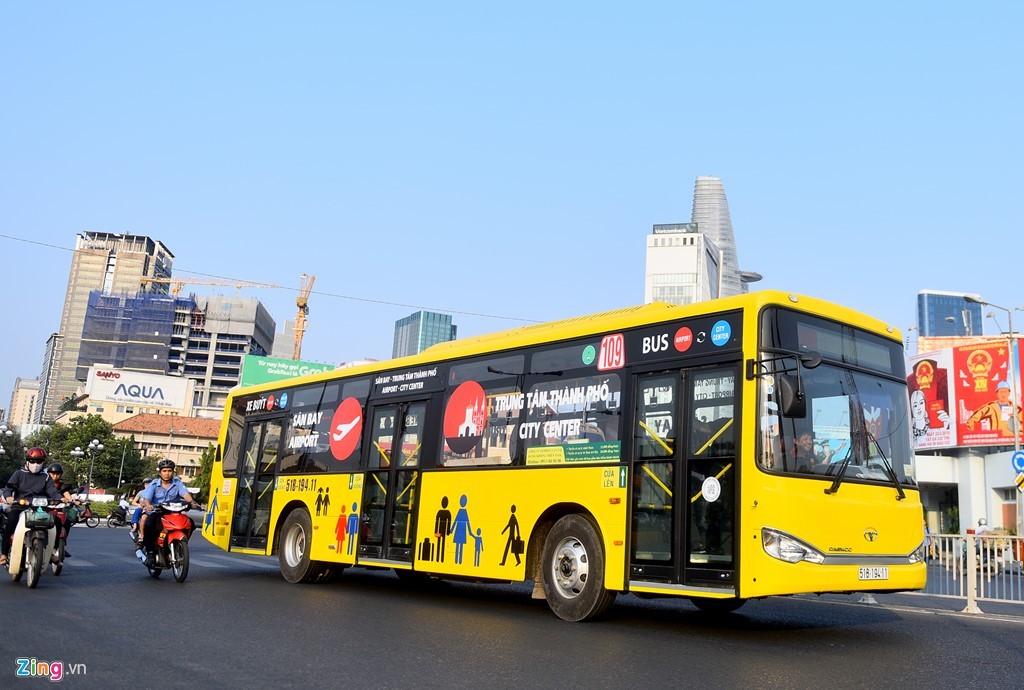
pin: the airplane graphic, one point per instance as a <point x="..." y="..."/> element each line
<point x="343" y="429"/>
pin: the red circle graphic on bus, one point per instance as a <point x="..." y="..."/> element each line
<point x="270" y="402"/>
<point x="683" y="339"/>
<point x="465" y="417"/>
<point x="346" y="428"/>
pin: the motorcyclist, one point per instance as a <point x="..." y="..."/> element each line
<point x="29" y="482"/>
<point x="56" y="470"/>
<point x="165" y="488"/>
<point x="136" y="506"/>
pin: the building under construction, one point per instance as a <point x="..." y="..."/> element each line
<point x="200" y="338"/>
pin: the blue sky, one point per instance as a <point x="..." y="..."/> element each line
<point x="507" y="160"/>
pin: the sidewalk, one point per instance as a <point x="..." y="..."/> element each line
<point x="931" y="603"/>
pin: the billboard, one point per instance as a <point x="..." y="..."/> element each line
<point x="966" y="395"/>
<point x="124" y="387"/>
<point x="257" y="369"/>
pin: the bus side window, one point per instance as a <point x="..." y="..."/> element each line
<point x="713" y="433"/>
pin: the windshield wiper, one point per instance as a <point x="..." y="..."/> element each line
<point x="889" y="470"/>
<point x="842" y="468"/>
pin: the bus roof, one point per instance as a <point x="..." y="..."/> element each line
<point x="617" y="319"/>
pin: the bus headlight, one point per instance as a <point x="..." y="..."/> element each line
<point x="788" y="548"/>
<point x="918" y="554"/>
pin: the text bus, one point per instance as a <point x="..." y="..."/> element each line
<point x="745" y="447"/>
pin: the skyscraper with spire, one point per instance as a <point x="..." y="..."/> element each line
<point x="696" y="261"/>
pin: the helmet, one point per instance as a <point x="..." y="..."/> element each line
<point x="55" y="468"/>
<point x="35" y="459"/>
<point x="164" y="464"/>
<point x="982" y="521"/>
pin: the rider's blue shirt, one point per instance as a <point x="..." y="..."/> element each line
<point x="155" y="493"/>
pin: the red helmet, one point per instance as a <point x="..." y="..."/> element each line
<point x="35" y="459"/>
<point x="35" y="454"/>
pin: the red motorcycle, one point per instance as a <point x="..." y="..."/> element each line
<point x="176" y="528"/>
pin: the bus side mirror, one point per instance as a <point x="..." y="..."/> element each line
<point x="792" y="402"/>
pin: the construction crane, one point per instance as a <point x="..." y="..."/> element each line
<point x="176" y="284"/>
<point x="302" y="302"/>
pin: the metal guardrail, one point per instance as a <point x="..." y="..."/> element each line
<point x="976" y="568"/>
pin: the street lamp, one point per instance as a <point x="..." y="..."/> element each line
<point x="1011" y="341"/>
<point x="909" y="329"/>
<point x="4" y="432"/>
<point x="76" y="453"/>
<point x="94" y="447"/>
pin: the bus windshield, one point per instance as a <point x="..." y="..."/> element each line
<point x="853" y="419"/>
<point x="856" y="422"/>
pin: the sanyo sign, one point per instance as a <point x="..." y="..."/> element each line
<point x="133" y="388"/>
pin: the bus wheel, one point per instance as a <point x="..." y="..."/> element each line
<point x="573" y="570"/>
<point x="717" y="606"/>
<point x="293" y="554"/>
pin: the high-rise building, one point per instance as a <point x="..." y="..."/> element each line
<point x="128" y="331"/>
<point x="199" y="338"/>
<point x="947" y="314"/>
<point x="214" y="338"/>
<point x="418" y="331"/>
<point x="683" y="265"/>
<point x="696" y="261"/>
<point x="284" y="340"/>
<point x="711" y="214"/>
<point x="109" y="262"/>
<point x="23" y="402"/>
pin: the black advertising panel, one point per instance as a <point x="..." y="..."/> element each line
<point x="407" y="382"/>
<point x="685" y="338"/>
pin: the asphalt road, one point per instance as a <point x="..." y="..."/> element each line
<point x="236" y="623"/>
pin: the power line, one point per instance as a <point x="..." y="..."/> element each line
<point x="256" y="283"/>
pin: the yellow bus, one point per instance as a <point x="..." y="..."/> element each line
<point x="739" y="448"/>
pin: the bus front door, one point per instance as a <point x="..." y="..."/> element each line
<point x="682" y="496"/>
<point x="250" y="525"/>
<point x="391" y="486"/>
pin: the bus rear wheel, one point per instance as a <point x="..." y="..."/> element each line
<point x="293" y="553"/>
<point x="573" y="570"/>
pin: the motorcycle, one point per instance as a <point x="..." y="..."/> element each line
<point x="86" y="515"/>
<point x="60" y="514"/>
<point x="172" y="543"/>
<point x="121" y="516"/>
<point x="34" y="539"/>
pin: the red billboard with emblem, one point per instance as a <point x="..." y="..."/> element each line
<point x="988" y="408"/>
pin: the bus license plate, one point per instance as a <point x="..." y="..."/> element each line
<point x="879" y="573"/>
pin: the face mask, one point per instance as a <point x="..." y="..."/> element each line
<point x="35" y="467"/>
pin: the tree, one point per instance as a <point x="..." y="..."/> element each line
<point x="59" y="440"/>
<point x="202" y="480"/>
<point x="13" y="457"/>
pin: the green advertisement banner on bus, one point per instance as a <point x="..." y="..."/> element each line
<point x="257" y="369"/>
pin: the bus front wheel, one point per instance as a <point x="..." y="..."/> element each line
<point x="573" y="570"/>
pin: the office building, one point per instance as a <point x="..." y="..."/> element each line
<point x="418" y="331"/>
<point x="23" y="402"/>
<point x="683" y="265"/>
<point x="947" y="314"/>
<point x="109" y="262"/>
<point x="199" y="338"/>
<point x="696" y="261"/>
<point x="210" y="340"/>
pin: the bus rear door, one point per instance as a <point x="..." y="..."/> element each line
<point x="391" y="486"/>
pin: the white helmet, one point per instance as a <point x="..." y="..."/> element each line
<point x="982" y="522"/>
